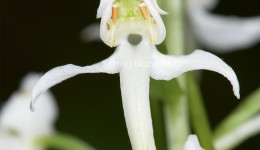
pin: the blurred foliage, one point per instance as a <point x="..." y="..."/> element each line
<point x="63" y="142"/>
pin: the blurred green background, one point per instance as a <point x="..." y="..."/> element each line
<point x="40" y="35"/>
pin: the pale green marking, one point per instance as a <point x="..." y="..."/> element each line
<point x="129" y="9"/>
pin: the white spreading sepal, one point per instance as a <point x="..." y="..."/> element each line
<point x="62" y="73"/>
<point x="165" y="67"/>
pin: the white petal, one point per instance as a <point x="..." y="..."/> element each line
<point x="107" y="14"/>
<point x="192" y="143"/>
<point x="167" y="67"/>
<point x="155" y="4"/>
<point x="225" y="33"/>
<point x="102" y="6"/>
<point x="134" y="80"/>
<point x="161" y="27"/>
<point x="91" y="33"/>
<point x="62" y="73"/>
<point x="239" y="134"/>
<point x="16" y="117"/>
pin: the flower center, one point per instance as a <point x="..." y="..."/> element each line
<point x="130" y="17"/>
<point x="128" y="8"/>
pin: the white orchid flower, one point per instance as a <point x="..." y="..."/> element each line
<point x="19" y="127"/>
<point x="222" y="33"/>
<point x="192" y="143"/>
<point x="135" y="26"/>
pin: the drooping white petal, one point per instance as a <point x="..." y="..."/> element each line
<point x="134" y="80"/>
<point x="239" y="134"/>
<point x="166" y="67"/>
<point x="106" y="16"/>
<point x="225" y="33"/>
<point x="192" y="143"/>
<point x="161" y="27"/>
<point x="18" y="125"/>
<point x="155" y="4"/>
<point x="102" y="6"/>
<point x="62" y="73"/>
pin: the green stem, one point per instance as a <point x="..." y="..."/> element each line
<point x="175" y="110"/>
<point x="176" y="114"/>
<point x="198" y="114"/>
<point x="247" y="109"/>
<point x="63" y="142"/>
<point x="175" y="44"/>
<point x="174" y="23"/>
<point x="158" y="124"/>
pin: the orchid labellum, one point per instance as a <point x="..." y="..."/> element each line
<point x="134" y="27"/>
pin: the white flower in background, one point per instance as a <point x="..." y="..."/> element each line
<point x="192" y="143"/>
<point x="19" y="127"/>
<point x="90" y="33"/>
<point x="135" y="26"/>
<point x="222" y="33"/>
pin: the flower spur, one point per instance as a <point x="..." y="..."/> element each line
<point x="135" y="27"/>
